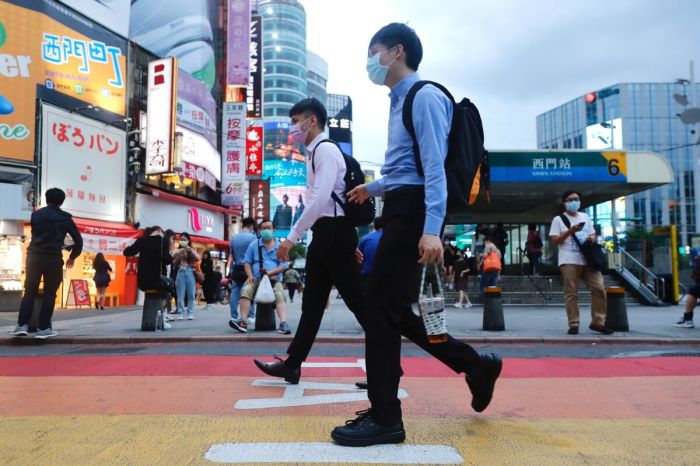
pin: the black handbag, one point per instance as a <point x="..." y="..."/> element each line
<point x="592" y="252"/>
<point x="238" y="274"/>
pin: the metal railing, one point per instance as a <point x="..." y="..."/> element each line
<point x="624" y="260"/>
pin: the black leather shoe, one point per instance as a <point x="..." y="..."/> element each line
<point x="364" y="431"/>
<point x="482" y="381"/>
<point x="601" y="329"/>
<point x="573" y="331"/>
<point x="362" y="385"/>
<point x="279" y="369"/>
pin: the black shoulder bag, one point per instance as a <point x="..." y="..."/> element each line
<point x="592" y="251"/>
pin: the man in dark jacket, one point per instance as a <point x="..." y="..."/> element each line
<point x="45" y="259"/>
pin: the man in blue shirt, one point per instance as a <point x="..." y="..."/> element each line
<point x="368" y="247"/>
<point x="257" y="266"/>
<point x="239" y="245"/>
<point x="414" y="213"/>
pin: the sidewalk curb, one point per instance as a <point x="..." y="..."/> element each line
<point x="146" y="339"/>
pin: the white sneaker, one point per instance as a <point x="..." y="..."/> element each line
<point x="250" y="321"/>
<point x="190" y="316"/>
<point x="181" y="316"/>
<point x="458" y="306"/>
<point x="166" y="326"/>
<point x="468" y="305"/>
<point x="209" y="306"/>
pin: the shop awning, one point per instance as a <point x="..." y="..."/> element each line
<point x="219" y="243"/>
<point x="186" y="200"/>
<point x="108" y="238"/>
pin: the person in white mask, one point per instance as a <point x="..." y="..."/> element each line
<point x="573" y="266"/>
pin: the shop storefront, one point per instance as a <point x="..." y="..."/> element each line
<point x="13" y="215"/>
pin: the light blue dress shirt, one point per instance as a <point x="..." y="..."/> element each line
<point x="269" y="259"/>
<point x="432" y="119"/>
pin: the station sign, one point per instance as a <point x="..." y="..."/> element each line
<point x="558" y="166"/>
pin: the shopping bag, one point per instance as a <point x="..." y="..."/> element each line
<point x="265" y="295"/>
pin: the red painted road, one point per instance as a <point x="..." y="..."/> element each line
<point x="242" y="366"/>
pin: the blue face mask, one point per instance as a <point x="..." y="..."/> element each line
<point x="266" y="235"/>
<point x="376" y="71"/>
<point x="573" y="206"/>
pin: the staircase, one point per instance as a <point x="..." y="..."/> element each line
<point x="537" y="290"/>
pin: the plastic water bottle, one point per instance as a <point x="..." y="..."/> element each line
<point x="432" y="311"/>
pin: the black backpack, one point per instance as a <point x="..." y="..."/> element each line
<point x="358" y="214"/>
<point x="467" y="163"/>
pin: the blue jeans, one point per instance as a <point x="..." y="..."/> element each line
<point x="185" y="285"/>
<point x="235" y="298"/>
<point x="488" y="279"/>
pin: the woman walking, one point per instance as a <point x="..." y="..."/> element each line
<point x="292" y="280"/>
<point x="461" y="279"/>
<point x="211" y="283"/>
<point x="101" y="279"/>
<point x="185" y="261"/>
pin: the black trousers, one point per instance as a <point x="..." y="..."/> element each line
<point x="330" y="260"/>
<point x="50" y="267"/>
<point x="393" y="287"/>
<point x="291" y="288"/>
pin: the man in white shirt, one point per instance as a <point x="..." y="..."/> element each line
<point x="332" y="257"/>
<point x="573" y="266"/>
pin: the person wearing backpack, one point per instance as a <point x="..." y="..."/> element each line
<point x="491" y="264"/>
<point x="332" y="257"/>
<point x="569" y="231"/>
<point x="416" y="196"/>
<point x="533" y="248"/>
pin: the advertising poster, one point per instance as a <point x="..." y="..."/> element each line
<point x="238" y="43"/>
<point x="196" y="108"/>
<point x="259" y="200"/>
<point x="112" y="14"/>
<point x="255" y="92"/>
<point x="46" y="44"/>
<point x="199" y="160"/>
<point x="80" y="293"/>
<point x="87" y="159"/>
<point x="254" y="148"/>
<point x="233" y="144"/>
<point x="162" y="79"/>
<point x="285" y="167"/>
<point x="186" y="29"/>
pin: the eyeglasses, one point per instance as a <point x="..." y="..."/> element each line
<point x="371" y="54"/>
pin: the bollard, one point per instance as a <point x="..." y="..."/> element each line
<point x="493" y="309"/>
<point x="265" y="316"/>
<point x="151" y="306"/>
<point x="616" y="318"/>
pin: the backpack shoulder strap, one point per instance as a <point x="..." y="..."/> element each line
<point x="567" y="223"/>
<point x="313" y="158"/>
<point x="260" y="254"/>
<point x="407" y="115"/>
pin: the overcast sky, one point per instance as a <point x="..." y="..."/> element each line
<point x="514" y="58"/>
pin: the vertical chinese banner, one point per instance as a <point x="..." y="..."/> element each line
<point x="259" y="201"/>
<point x="233" y="147"/>
<point x="255" y="93"/>
<point x="160" y="119"/>
<point x="238" y="43"/>
<point x="254" y="149"/>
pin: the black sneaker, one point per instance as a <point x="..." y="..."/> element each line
<point x="240" y="326"/>
<point x="280" y="369"/>
<point x="573" y="331"/>
<point x="601" y="329"/>
<point x="684" y="323"/>
<point x="482" y="381"/>
<point x="362" y="385"/>
<point x="364" y="431"/>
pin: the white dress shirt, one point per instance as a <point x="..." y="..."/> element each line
<point x="327" y="178"/>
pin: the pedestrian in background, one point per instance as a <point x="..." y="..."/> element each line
<point x="211" y="285"/>
<point x="499" y="237"/>
<point x="292" y="280"/>
<point x="533" y="248"/>
<point x="169" y="243"/>
<point x="461" y="279"/>
<point x="50" y="225"/>
<point x="693" y="296"/>
<point x="478" y="242"/>
<point x="185" y="261"/>
<point x="101" y="279"/>
<point x="491" y="264"/>
<point x="573" y="265"/>
<point x="368" y="248"/>
<point x="448" y="264"/>
<point x="239" y="246"/>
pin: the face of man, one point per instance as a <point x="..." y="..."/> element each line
<point x="267" y="231"/>
<point x="285" y="199"/>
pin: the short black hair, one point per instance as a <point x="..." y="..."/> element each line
<point x="311" y="106"/>
<point x="248" y="222"/>
<point x="569" y="193"/>
<point x="378" y="223"/>
<point x="55" y="196"/>
<point x="394" y="34"/>
<point x="148" y="230"/>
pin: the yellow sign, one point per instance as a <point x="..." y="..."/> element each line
<point x="617" y="162"/>
<point x="39" y="52"/>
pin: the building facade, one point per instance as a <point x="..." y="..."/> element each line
<point x="339" y="109"/>
<point x="316" y="76"/>
<point x="284" y="55"/>
<point x="636" y="117"/>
